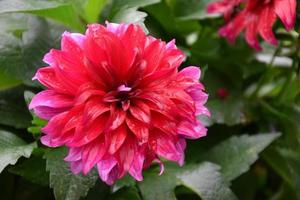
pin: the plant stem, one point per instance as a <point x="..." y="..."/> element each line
<point x="264" y="78"/>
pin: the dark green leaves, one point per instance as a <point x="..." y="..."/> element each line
<point x="65" y="184"/>
<point x="33" y="169"/>
<point x="237" y="154"/>
<point x="204" y="179"/>
<point x="155" y="187"/>
<point x="209" y="180"/>
<point x="24" y="42"/>
<point x="12" y="148"/>
<point x="13" y="110"/>
<point x="56" y="10"/>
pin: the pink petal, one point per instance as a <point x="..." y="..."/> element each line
<point x="137" y="166"/>
<point x="108" y="169"/>
<point x="192" y="72"/>
<point x="286" y="10"/>
<point x="191" y="130"/>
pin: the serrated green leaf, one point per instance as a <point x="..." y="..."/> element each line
<point x="66" y="185"/>
<point x="238" y="153"/>
<point x="12" y="148"/>
<point x="204" y="179"/>
<point x="207" y="181"/>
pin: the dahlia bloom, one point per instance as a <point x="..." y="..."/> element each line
<point x="257" y="18"/>
<point x="116" y="100"/>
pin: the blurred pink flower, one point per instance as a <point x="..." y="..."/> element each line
<point x="116" y="99"/>
<point x="257" y="18"/>
<point x="224" y="7"/>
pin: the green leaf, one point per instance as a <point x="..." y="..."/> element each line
<point x="37" y="123"/>
<point x="12" y="148"/>
<point x="204" y="179"/>
<point x="131" y="15"/>
<point x="127" y="11"/>
<point x="32" y="169"/>
<point x="62" y="12"/>
<point x="125" y="193"/>
<point x="286" y="162"/>
<point x="93" y="9"/>
<point x="7" y="81"/>
<point x="121" y="4"/>
<point x="229" y="111"/>
<point x="13" y="110"/>
<point x="155" y="187"/>
<point x="21" y="54"/>
<point x="238" y="153"/>
<point x="65" y="184"/>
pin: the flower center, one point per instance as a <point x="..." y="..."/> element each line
<point x="123" y="93"/>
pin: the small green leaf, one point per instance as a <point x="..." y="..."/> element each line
<point x="37" y="123"/>
<point x="65" y="184"/>
<point x="12" y="148"/>
<point x="236" y="154"/>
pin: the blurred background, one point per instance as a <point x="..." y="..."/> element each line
<point x="252" y="147"/>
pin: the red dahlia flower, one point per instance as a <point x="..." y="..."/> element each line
<point x="116" y="99"/>
<point x="258" y="17"/>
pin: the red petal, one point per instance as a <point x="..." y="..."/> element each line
<point x="117" y="138"/>
<point x="140" y="129"/>
<point x="265" y="24"/>
<point x="286" y="10"/>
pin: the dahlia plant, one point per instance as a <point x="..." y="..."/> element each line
<point x="149" y="99"/>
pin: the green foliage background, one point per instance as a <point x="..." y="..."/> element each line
<point x="252" y="149"/>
